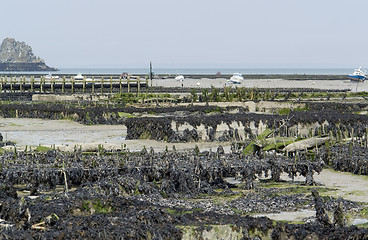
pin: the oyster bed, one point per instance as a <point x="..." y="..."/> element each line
<point x="158" y="195"/>
<point x="192" y="194"/>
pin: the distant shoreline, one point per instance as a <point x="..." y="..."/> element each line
<point x="192" y="71"/>
<point x="294" y="77"/>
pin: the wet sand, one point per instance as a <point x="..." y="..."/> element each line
<point x="264" y="83"/>
<point x="346" y="185"/>
<point x="349" y="186"/>
<point x="34" y="132"/>
<point x="65" y="134"/>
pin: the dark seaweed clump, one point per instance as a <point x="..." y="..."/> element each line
<point x="146" y="195"/>
<point x="347" y="158"/>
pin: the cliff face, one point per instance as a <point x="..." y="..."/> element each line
<point x="18" y="56"/>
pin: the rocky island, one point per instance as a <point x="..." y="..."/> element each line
<point x="18" y="56"/>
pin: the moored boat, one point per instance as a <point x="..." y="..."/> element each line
<point x="179" y="78"/>
<point x="79" y="77"/>
<point x="50" y="77"/>
<point x="236" y="78"/>
<point x="358" y="75"/>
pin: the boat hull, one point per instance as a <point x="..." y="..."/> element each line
<point x="235" y="80"/>
<point x="356" y="78"/>
<point x="179" y="78"/>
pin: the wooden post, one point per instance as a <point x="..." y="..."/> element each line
<point x="63" y="85"/>
<point x="73" y="80"/>
<point x="111" y="84"/>
<point x="11" y="84"/>
<point x="139" y="84"/>
<point x="146" y="84"/>
<point x="21" y="80"/>
<point x="52" y="83"/>
<point x="42" y="84"/>
<point x="32" y="82"/>
<point x="20" y="84"/>
<point x="120" y="85"/>
<point x="102" y="80"/>
<point x="1" y="87"/>
<point x="128" y="82"/>
<point x="24" y="83"/>
<point x="84" y="84"/>
<point x="93" y="84"/>
<point x="41" y="87"/>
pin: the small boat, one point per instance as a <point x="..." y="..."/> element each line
<point x="358" y="75"/>
<point x="179" y="78"/>
<point x="79" y="77"/>
<point x="50" y="77"/>
<point x="236" y="79"/>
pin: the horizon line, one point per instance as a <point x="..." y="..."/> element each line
<point x="135" y="67"/>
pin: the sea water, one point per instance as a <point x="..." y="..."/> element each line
<point x="327" y="71"/>
<point x="316" y="71"/>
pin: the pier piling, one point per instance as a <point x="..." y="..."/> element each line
<point x="68" y="84"/>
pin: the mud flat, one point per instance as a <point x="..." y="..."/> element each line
<point x="349" y="186"/>
<point x="189" y="171"/>
<point x="66" y="135"/>
<point x="263" y="83"/>
<point x="59" y="132"/>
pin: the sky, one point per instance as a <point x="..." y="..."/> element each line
<point x="191" y="33"/>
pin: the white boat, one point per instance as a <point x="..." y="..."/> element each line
<point x="79" y="77"/>
<point x="358" y="75"/>
<point x="50" y="77"/>
<point x="179" y="78"/>
<point x="236" y="78"/>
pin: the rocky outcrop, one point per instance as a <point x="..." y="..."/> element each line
<point x="18" y="56"/>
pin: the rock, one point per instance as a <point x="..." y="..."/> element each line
<point x="18" y="56"/>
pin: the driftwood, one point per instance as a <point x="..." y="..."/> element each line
<point x="305" y="144"/>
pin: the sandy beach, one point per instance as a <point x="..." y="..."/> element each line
<point x="263" y="83"/>
<point x="65" y="134"/>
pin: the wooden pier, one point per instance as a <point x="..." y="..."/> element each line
<point x="72" y="85"/>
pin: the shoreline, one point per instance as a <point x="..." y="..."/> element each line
<point x="202" y="70"/>
<point x="263" y="83"/>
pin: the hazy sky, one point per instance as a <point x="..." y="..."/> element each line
<point x="191" y="33"/>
